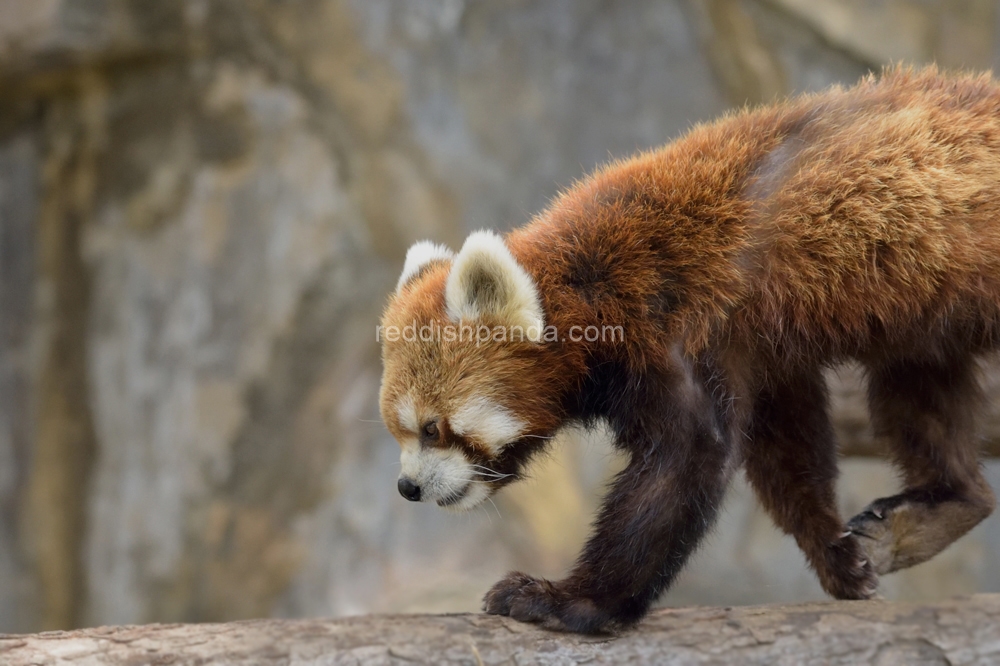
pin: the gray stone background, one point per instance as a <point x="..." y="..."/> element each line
<point x="203" y="204"/>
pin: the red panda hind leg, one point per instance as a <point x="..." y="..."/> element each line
<point x="926" y="411"/>
<point x="791" y="463"/>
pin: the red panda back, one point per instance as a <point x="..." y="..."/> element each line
<point x="829" y="221"/>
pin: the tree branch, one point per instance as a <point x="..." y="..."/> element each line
<point x="959" y="631"/>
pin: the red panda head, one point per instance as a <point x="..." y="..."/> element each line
<point x="466" y="388"/>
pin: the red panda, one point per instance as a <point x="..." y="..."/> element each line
<point x="738" y="263"/>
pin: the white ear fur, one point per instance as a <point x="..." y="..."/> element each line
<point x="486" y="279"/>
<point x="419" y="255"/>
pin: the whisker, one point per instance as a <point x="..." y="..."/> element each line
<point x="490" y="472"/>
<point x="483" y="467"/>
<point x="468" y="479"/>
<point x="495" y="507"/>
<point x="486" y="471"/>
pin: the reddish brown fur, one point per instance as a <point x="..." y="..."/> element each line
<point x="741" y="260"/>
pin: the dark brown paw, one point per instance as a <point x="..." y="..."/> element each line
<point x="874" y="529"/>
<point x="540" y="601"/>
<point x="848" y="572"/>
<point x="507" y="592"/>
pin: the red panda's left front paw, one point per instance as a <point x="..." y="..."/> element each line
<point x="498" y="600"/>
<point x="523" y="598"/>
<point x="529" y="599"/>
<point x="846" y="572"/>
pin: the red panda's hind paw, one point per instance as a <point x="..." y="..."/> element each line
<point x="529" y="599"/>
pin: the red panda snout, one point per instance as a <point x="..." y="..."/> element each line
<point x="408" y="489"/>
<point x="445" y="476"/>
<point x="459" y="459"/>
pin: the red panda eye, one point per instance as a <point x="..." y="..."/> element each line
<point x="430" y="430"/>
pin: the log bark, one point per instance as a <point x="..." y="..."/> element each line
<point x="959" y="631"/>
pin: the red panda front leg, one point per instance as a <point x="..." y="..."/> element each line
<point x="651" y="521"/>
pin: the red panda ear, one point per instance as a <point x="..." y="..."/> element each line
<point x="486" y="279"/>
<point x="419" y="255"/>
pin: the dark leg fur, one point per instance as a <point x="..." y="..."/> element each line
<point x="791" y="462"/>
<point x="652" y="519"/>
<point x="926" y="410"/>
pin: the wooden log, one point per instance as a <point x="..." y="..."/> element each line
<point x="959" y="631"/>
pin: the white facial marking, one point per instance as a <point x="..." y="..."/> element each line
<point x="406" y="410"/>
<point x="410" y="461"/>
<point x="418" y="256"/>
<point x="486" y="422"/>
<point x="476" y="495"/>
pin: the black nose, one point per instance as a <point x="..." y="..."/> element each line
<point x="408" y="489"/>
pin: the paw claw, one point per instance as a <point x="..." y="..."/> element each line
<point x="846" y="572"/>
<point x="876" y="523"/>
<point x="844" y="535"/>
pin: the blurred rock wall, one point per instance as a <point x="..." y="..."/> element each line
<point x="202" y="206"/>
